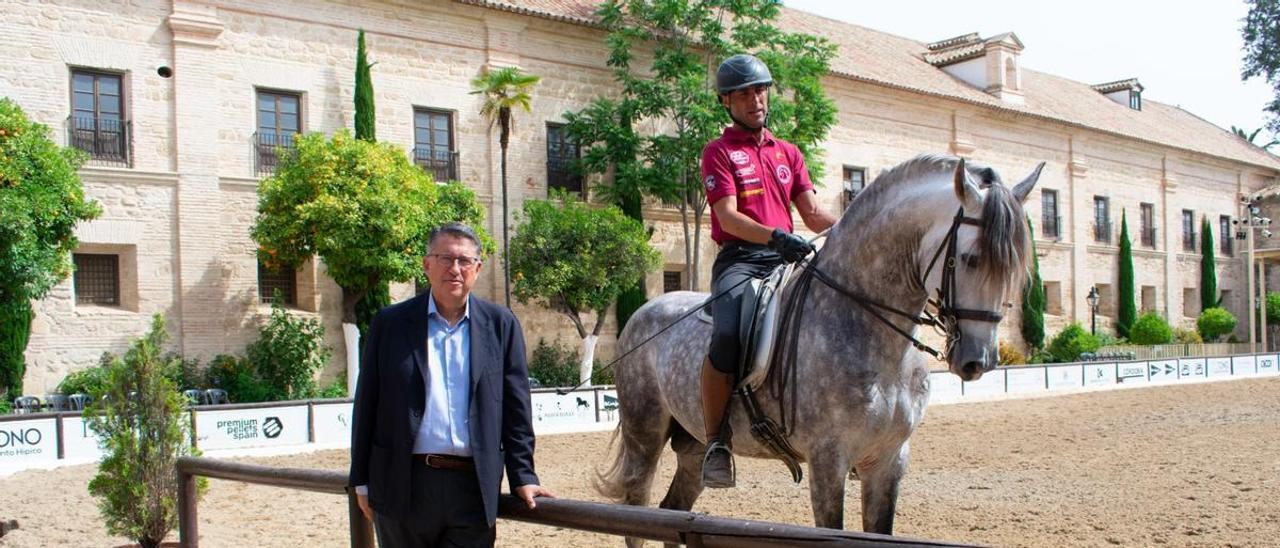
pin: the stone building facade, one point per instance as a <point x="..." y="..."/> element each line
<point x="201" y="87"/>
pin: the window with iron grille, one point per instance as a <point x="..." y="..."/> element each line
<point x="1224" y="235"/>
<point x="855" y="179"/>
<point x="283" y="278"/>
<point x="97" y="278"/>
<point x="1188" y="230"/>
<point x="97" y="124"/>
<point x="1148" y="236"/>
<point x="562" y="152"/>
<point x="671" y="281"/>
<point x="1050" y="221"/>
<point x="1101" y="219"/>
<point x="433" y="149"/>
<point x="279" y="121"/>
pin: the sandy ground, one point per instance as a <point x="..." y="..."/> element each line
<point x="1192" y="465"/>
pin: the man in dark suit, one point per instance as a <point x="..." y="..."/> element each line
<point x="441" y="407"/>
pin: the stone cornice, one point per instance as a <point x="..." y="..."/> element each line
<point x="102" y="174"/>
<point x="195" y="25"/>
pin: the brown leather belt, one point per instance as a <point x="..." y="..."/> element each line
<point x="447" y="462"/>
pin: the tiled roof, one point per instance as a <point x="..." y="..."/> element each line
<point x="876" y="57"/>
<point x="1129" y="83"/>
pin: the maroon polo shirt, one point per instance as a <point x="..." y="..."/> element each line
<point x="765" y="176"/>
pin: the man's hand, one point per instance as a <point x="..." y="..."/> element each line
<point x="793" y="248"/>
<point x="363" y="502"/>
<point x="528" y="492"/>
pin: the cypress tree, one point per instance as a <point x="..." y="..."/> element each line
<point x="1128" y="312"/>
<point x="1208" y="267"/>
<point x="1033" y="301"/>
<point x="364" y="93"/>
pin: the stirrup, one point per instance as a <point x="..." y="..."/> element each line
<point x="717" y="446"/>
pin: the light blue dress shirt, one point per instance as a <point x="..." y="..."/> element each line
<point x="445" y="427"/>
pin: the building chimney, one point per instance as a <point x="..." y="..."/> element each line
<point x="990" y="65"/>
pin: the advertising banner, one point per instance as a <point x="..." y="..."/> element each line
<point x="1192" y="369"/>
<point x="258" y="427"/>
<point x="1136" y="372"/>
<point x="1099" y="374"/>
<point x="79" y="442"/>
<point x="1219" y="367"/>
<point x="552" y="409"/>
<point x="332" y="422"/>
<point x="1023" y="380"/>
<point x="1267" y="365"/>
<point x="28" y="441"/>
<point x="1064" y="376"/>
<point x="608" y="405"/>
<point x="944" y="387"/>
<point x="990" y="383"/>
<point x="1243" y="366"/>
<point x="1162" y="371"/>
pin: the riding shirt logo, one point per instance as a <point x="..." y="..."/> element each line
<point x="739" y="157"/>
<point x="749" y="170"/>
<point x="784" y="174"/>
<point x="710" y="182"/>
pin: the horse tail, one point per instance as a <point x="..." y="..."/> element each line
<point x="610" y="483"/>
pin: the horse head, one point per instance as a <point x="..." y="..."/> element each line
<point x="983" y="265"/>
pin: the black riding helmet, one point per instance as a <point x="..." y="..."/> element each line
<point x="741" y="71"/>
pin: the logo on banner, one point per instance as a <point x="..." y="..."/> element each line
<point x="271" y="427"/>
<point x="739" y="157"/>
<point x="17" y="442"/>
<point x="784" y="174"/>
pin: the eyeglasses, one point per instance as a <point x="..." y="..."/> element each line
<point x="446" y="261"/>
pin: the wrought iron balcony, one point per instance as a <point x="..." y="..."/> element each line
<point x="106" y="140"/>
<point x="1189" y="241"/>
<point x="1102" y="232"/>
<point x="269" y="148"/>
<point x="441" y="164"/>
<point x="1051" y="227"/>
<point x="1149" y="237"/>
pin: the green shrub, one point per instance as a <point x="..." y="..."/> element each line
<point x="6" y="406"/>
<point x="1150" y="328"/>
<point x="237" y="377"/>
<point x="1214" y="323"/>
<point x="1106" y="338"/>
<point x="1185" y="335"/>
<point x="91" y="381"/>
<point x="144" y="429"/>
<point x="288" y="354"/>
<point x="1010" y="355"/>
<point x="1041" y="356"/>
<point x="185" y="372"/>
<point x="335" y="390"/>
<point x="553" y="364"/>
<point x="1069" y="343"/>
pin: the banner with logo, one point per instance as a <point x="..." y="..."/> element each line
<point x="1161" y="371"/>
<point x="255" y="427"/>
<point x="608" y="405"/>
<point x="1267" y="365"/>
<point x="552" y="409"/>
<point x="332" y="422"/>
<point x="1192" y="369"/>
<point x="28" y="441"/>
<point x="79" y="443"/>
<point x="1023" y="380"/>
<point x="1100" y="374"/>
<point x="1064" y="376"/>
<point x="1219" y="367"/>
<point x="1136" y="372"/>
<point x="1243" y="366"/>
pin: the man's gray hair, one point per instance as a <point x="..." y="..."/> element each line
<point x="457" y="230"/>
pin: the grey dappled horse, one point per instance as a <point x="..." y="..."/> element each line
<point x="860" y="388"/>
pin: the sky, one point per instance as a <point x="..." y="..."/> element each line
<point x="1187" y="54"/>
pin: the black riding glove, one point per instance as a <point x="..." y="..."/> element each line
<point x="793" y="248"/>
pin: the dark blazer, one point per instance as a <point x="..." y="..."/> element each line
<point x="390" y="401"/>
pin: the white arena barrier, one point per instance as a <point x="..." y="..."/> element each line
<point x="47" y="440"/>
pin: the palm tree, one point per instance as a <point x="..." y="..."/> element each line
<point x="503" y="89"/>
<point x="1251" y="136"/>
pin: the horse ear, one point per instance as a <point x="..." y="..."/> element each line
<point x="1023" y="189"/>
<point x="966" y="191"/>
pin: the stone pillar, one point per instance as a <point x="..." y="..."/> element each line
<point x="1172" y="242"/>
<point x="201" y="284"/>
<point x="1078" y="200"/>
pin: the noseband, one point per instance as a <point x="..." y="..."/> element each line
<point x="947" y="317"/>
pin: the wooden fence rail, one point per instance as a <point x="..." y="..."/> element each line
<point x="674" y="526"/>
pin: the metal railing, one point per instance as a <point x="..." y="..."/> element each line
<point x="442" y="165"/>
<point x="1162" y="351"/>
<point x="106" y="140"/>
<point x="1189" y="241"/>
<point x="671" y="526"/>
<point x="268" y="149"/>
<point x="1051" y="227"/>
<point x="1102" y="232"/>
<point x="1149" y="237"/>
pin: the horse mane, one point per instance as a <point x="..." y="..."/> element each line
<point x="1005" y="240"/>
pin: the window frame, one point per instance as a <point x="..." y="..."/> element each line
<point x="81" y="291"/>
<point x="1147" y="215"/>
<point x="121" y="134"/>
<point x="266" y="157"/>
<point x="667" y="286"/>
<point x="847" y="190"/>
<point x="1226" y="245"/>
<point x="565" y="174"/>
<point x="1050" y="195"/>
<point x="446" y="169"/>
<point x="1189" y="230"/>
<point x="288" y="275"/>
<point x="1102" y="219"/>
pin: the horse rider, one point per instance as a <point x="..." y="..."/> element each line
<point x="751" y="179"/>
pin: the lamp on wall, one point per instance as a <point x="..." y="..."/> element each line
<point x="1093" y="299"/>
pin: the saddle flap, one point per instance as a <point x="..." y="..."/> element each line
<point x="760" y="333"/>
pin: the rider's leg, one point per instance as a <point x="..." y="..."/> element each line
<point x="716" y="389"/>
<point x="719" y="371"/>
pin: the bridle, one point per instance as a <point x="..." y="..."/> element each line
<point x="947" y="316"/>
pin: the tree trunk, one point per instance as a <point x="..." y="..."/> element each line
<point x="588" y="359"/>
<point x="15" y="332"/>
<point x="696" y="283"/>
<point x="506" y="268"/>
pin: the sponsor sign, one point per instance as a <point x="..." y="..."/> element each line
<point x="1132" y="372"/>
<point x="990" y="383"/>
<point x="552" y="409"/>
<point x="332" y="422"/>
<point x="1219" y="367"/>
<point x="28" y="441"/>
<point x="607" y="404"/>
<point x="261" y="427"/>
<point x="944" y="387"/>
<point x="1022" y="380"/>
<point x="1243" y="366"/>
<point x="1099" y="374"/>
<point x="1162" y="371"/>
<point x="1194" y="368"/>
<point x="1267" y="364"/>
<point x="1065" y="376"/>
<point x="79" y="443"/>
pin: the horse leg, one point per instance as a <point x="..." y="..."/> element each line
<point x="641" y="436"/>
<point x="828" y="467"/>
<point x="880" y="492"/>
<point x="686" y="484"/>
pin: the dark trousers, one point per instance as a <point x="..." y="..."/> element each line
<point x="735" y="263"/>
<point x="446" y="511"/>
